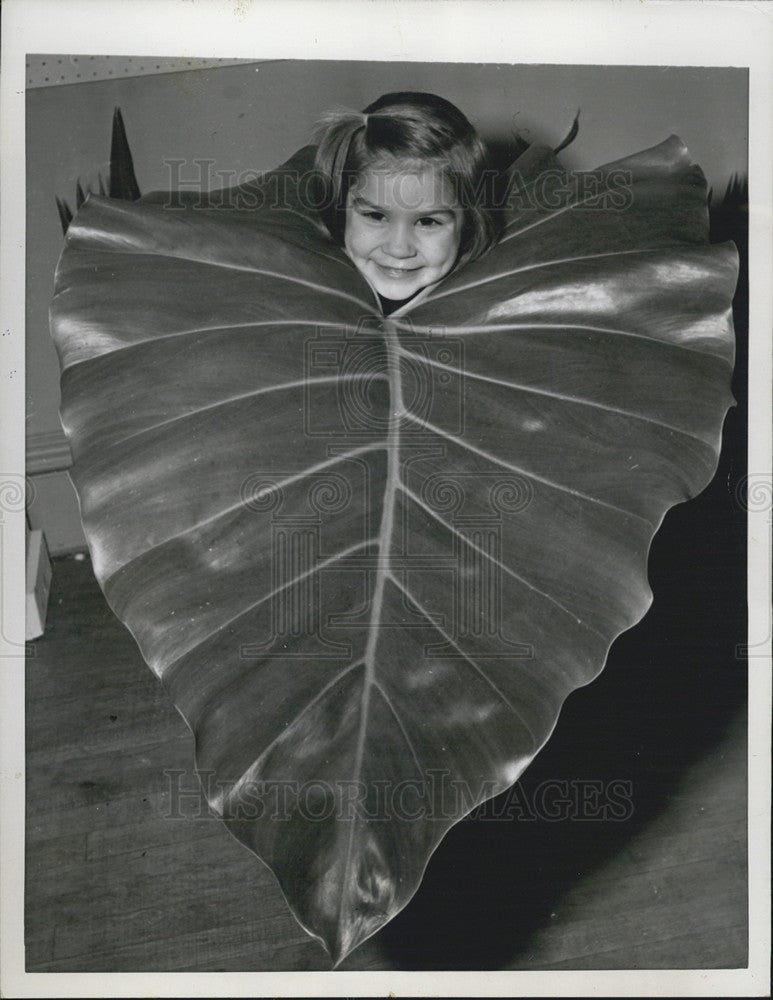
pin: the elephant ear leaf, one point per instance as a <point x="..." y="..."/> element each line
<point x="370" y="557"/>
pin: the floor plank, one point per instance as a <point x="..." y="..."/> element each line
<point x="114" y="883"/>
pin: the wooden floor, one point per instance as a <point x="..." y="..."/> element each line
<point x="115" y="883"/>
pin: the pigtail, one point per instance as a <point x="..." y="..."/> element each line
<point x="333" y="134"/>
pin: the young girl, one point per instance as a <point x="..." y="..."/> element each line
<point x="404" y="191"/>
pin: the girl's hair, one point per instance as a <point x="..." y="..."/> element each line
<point x="407" y="131"/>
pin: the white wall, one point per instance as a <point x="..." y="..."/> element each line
<point x="251" y="116"/>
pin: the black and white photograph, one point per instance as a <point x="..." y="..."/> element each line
<point x="386" y="542"/>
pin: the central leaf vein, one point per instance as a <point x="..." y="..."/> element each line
<point x="386" y="528"/>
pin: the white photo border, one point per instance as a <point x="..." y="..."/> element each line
<point x="589" y="32"/>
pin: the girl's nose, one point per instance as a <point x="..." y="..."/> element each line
<point x="398" y="243"/>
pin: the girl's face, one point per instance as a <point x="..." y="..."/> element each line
<point x="402" y="230"/>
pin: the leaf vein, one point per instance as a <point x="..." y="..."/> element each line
<point x="467" y="658"/>
<point x="449" y="527"/>
<point x="264" y="390"/>
<point x="215" y="329"/>
<point x="249" y="774"/>
<point x="331" y="560"/>
<point x="530" y="475"/>
<point x="408" y="741"/>
<point x="384" y="541"/>
<point x="533" y="267"/>
<point x="265" y="272"/>
<point x="470" y="330"/>
<point x="520" y="387"/>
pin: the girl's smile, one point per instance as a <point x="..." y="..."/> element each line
<point x="403" y="230"/>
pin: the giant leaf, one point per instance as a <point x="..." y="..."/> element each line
<point x="369" y="557"/>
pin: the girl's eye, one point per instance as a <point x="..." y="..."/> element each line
<point x="429" y="222"/>
<point x="374" y="216"/>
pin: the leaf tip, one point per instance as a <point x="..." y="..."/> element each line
<point x="341" y="946"/>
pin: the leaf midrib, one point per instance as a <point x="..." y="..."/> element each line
<point x="396" y="409"/>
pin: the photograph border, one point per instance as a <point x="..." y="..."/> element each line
<point x="590" y="32"/>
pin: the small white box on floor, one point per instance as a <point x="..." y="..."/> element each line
<point x="38" y="584"/>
